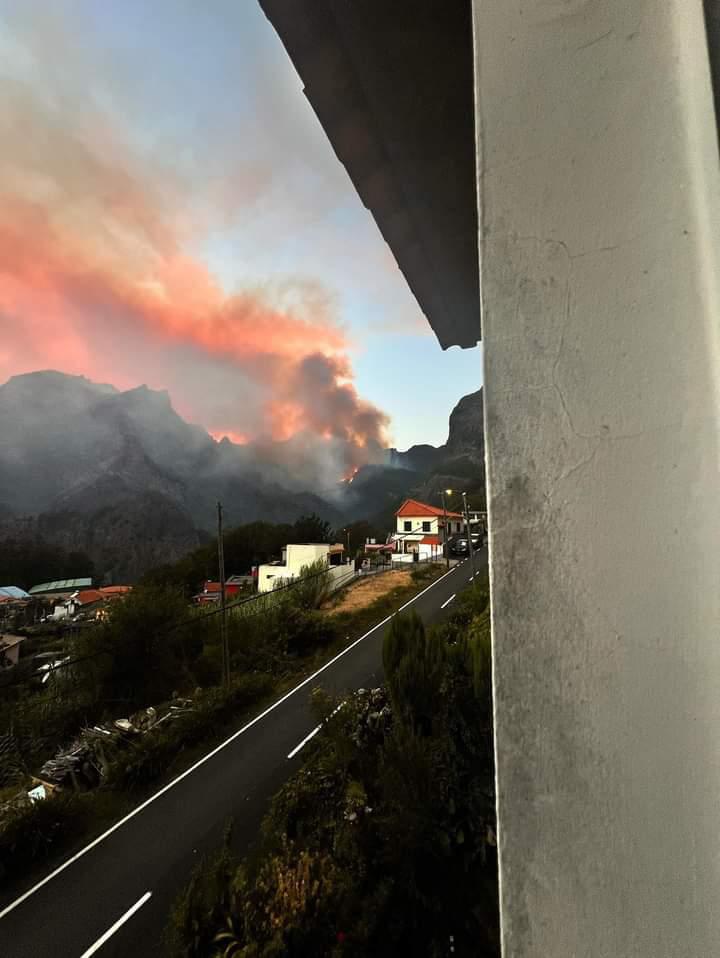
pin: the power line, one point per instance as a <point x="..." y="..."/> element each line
<point x="261" y="598"/>
<point x="190" y="620"/>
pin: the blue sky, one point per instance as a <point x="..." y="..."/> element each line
<point x="207" y="92"/>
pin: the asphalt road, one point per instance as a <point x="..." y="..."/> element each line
<point x="113" y="897"/>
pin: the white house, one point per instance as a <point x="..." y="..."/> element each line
<point x="297" y="557"/>
<point x="420" y="530"/>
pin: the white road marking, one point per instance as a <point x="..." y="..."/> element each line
<point x="314" y="732"/>
<point x="415" y="597"/>
<point x="304" y="742"/>
<point x="118" y="924"/>
<point x="448" y="601"/>
<point x="206" y="758"/>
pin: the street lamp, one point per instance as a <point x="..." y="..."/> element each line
<point x="446" y="492"/>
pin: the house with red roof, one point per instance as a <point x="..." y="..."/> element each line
<point x="421" y="530"/>
<point x="91" y="602"/>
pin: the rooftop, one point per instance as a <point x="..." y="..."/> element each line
<point x="86" y="596"/>
<point x="392" y="85"/>
<point x="411" y="507"/>
<point x="61" y="585"/>
<point x="12" y="592"/>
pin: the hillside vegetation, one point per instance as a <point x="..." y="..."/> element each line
<point x="383" y="844"/>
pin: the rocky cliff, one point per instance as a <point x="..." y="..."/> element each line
<point x="422" y="471"/>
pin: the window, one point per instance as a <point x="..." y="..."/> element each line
<point x="426" y="527"/>
<point x="407" y="525"/>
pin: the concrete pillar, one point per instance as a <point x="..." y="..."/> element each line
<point x="600" y="208"/>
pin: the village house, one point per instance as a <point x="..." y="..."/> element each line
<point x="420" y="532"/>
<point x="297" y="557"/>
<point x="92" y="603"/>
<point x="59" y="589"/>
<point x="234" y="585"/>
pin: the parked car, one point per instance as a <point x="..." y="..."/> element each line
<point x="459" y="545"/>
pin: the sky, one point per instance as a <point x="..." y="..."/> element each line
<point x="172" y="214"/>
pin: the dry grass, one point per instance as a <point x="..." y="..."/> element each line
<point x="364" y="592"/>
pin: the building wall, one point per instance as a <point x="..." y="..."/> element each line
<point x="424" y="552"/>
<point x="436" y="524"/>
<point x="304" y="555"/>
<point x="417" y="526"/>
<point x="599" y="194"/>
<point x="297" y="557"/>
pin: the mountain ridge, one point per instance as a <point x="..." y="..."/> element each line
<point x="121" y="475"/>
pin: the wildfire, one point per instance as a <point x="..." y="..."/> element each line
<point x="239" y="438"/>
<point x="349" y="476"/>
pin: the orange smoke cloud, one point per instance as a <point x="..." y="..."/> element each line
<point x="95" y="279"/>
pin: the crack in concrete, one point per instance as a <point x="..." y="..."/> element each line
<point x="591" y="43"/>
<point x="577" y="467"/>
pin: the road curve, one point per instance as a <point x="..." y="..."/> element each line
<point x="112" y="898"/>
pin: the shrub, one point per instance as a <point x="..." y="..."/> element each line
<point x="414" y="667"/>
<point x="312" y="587"/>
<point x="202" y="907"/>
<point x="30" y="833"/>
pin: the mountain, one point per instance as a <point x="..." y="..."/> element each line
<point x="423" y="471"/>
<point x="121" y="476"/>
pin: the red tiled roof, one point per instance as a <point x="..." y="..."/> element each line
<point x="89" y="595"/>
<point x="431" y="541"/>
<point x="115" y="589"/>
<point x="411" y="507"/>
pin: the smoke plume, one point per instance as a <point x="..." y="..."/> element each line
<point x="98" y="277"/>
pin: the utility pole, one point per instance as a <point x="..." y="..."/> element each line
<point x="223" y="608"/>
<point x="445" y="529"/>
<point x="469" y="537"/>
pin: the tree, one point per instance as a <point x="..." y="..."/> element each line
<point x="143" y="652"/>
<point x="311" y="529"/>
<point x="414" y="666"/>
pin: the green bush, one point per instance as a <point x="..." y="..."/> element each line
<point x="311" y="588"/>
<point x="31" y="833"/>
<point x="414" y="665"/>
<point x="201" y="909"/>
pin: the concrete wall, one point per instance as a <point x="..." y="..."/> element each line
<point x="298" y="557"/>
<point x="599" y="197"/>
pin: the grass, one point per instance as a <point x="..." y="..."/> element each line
<point x="354" y="623"/>
<point x="363" y="592"/>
